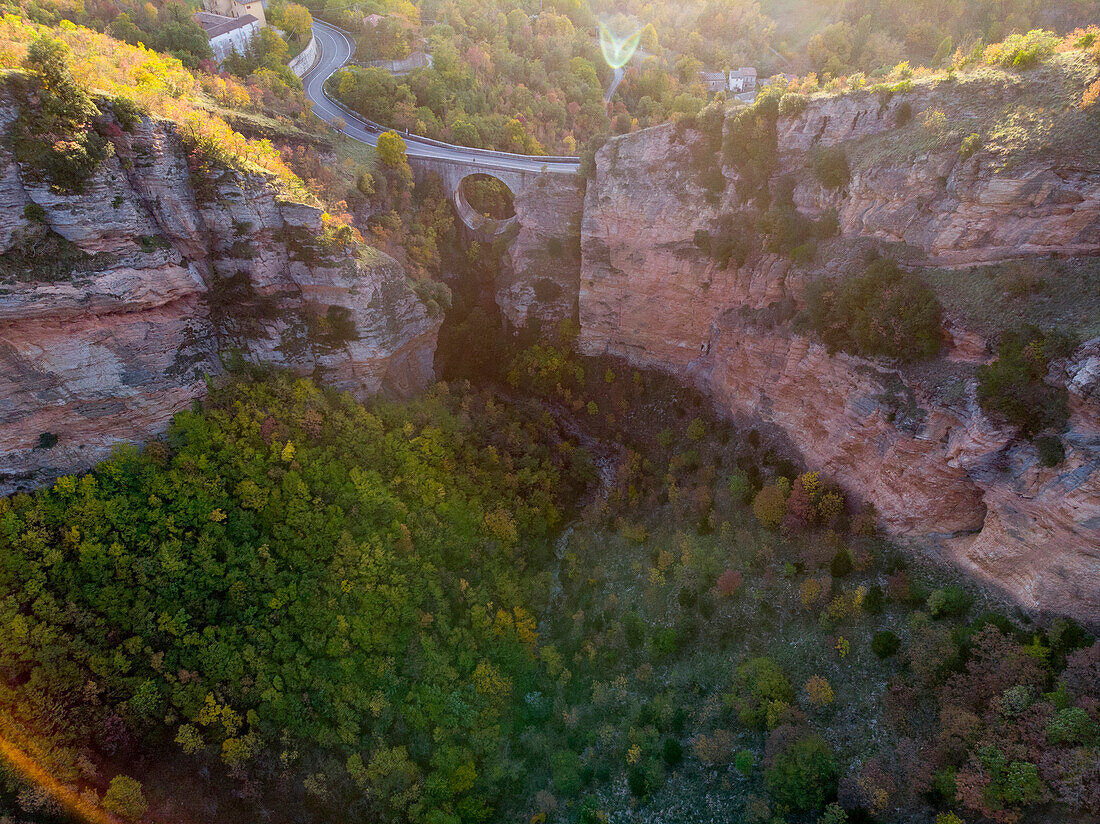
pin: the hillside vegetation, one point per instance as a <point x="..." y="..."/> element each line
<point x="293" y="602"/>
<point x="141" y="81"/>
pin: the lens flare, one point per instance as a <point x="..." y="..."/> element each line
<point x="27" y="766"/>
<point x="617" y="51"/>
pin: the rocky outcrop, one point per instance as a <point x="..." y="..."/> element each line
<point x="155" y="275"/>
<point x="647" y="291"/>
<point x="918" y="447"/>
<point x="915" y="189"/>
<point x="937" y="471"/>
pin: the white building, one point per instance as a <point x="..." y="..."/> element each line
<point x="227" y="34"/>
<point x="742" y="79"/>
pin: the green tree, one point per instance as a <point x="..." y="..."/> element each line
<point x="296" y="21"/>
<point x="48" y="60"/>
<point x="769" y="506"/>
<point x="803" y="775"/>
<point x="124" y="798"/>
<point x="759" y="684"/>
<point x="391" y="150"/>
<point x="465" y="133"/>
<point x="884" y="311"/>
<point x="1013" y="388"/>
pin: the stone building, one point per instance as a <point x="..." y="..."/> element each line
<point x="713" y="81"/>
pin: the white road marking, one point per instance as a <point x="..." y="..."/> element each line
<point x="337" y="49"/>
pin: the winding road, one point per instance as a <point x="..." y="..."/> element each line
<point x="616" y="79"/>
<point x="335" y="49"/>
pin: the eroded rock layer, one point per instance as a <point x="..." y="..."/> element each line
<point x="935" y="467"/>
<point x="118" y="302"/>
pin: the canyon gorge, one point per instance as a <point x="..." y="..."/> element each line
<point x="177" y="273"/>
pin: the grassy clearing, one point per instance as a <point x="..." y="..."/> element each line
<point x="1052" y="294"/>
<point x="1017" y="116"/>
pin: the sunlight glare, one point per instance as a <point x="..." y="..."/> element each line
<point x="617" y="51"/>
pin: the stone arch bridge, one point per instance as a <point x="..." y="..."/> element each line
<point x="522" y="183"/>
<point x="453" y="163"/>
<point x="540" y="274"/>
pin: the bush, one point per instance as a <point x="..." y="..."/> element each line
<point x="759" y="683"/>
<point x="46" y="440"/>
<point x="124" y="798"/>
<point x="791" y="105"/>
<point x="841" y="564"/>
<point x="819" y="692"/>
<point x="949" y="602"/>
<point x="565" y="765"/>
<point x="1022" y="51"/>
<point x="127" y="112"/>
<point x="885" y="643"/>
<point x="732" y="242"/>
<point x="591" y="813"/>
<point x="1051" y="450"/>
<point x="744" y="762"/>
<point x="884" y="311"/>
<point x="686" y="598"/>
<point x="634" y="629"/>
<point x="751" y="146"/>
<point x="1071" y="726"/>
<point x="803" y="776"/>
<point x="804" y="253"/>
<point x="874" y="601"/>
<point x="1013" y="389"/>
<point x="783" y="226"/>
<point x="970" y="145"/>
<point x="830" y="167"/>
<point x="34" y="213"/>
<point x="54" y="137"/>
<point x="664" y="642"/>
<point x="729" y="582"/>
<point x="769" y="506"/>
<point x="672" y="752"/>
<point x="740" y="487"/>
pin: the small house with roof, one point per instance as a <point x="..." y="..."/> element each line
<point x="713" y="81"/>
<point x="236" y="8"/>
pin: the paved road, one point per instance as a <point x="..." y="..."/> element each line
<point x="336" y="48"/>
<point x="616" y="79"/>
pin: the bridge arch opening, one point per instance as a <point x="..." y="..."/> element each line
<point x="489" y="195"/>
<point x="485" y="203"/>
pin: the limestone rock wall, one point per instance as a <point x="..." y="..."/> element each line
<point x="540" y="270"/>
<point x="971" y="490"/>
<point x="936" y="468"/>
<point x="173" y="269"/>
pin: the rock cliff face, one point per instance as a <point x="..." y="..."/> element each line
<point x="117" y="303"/>
<point x="915" y="445"/>
<point x="541" y="266"/>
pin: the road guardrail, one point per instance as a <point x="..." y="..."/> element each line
<point x="415" y="138"/>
